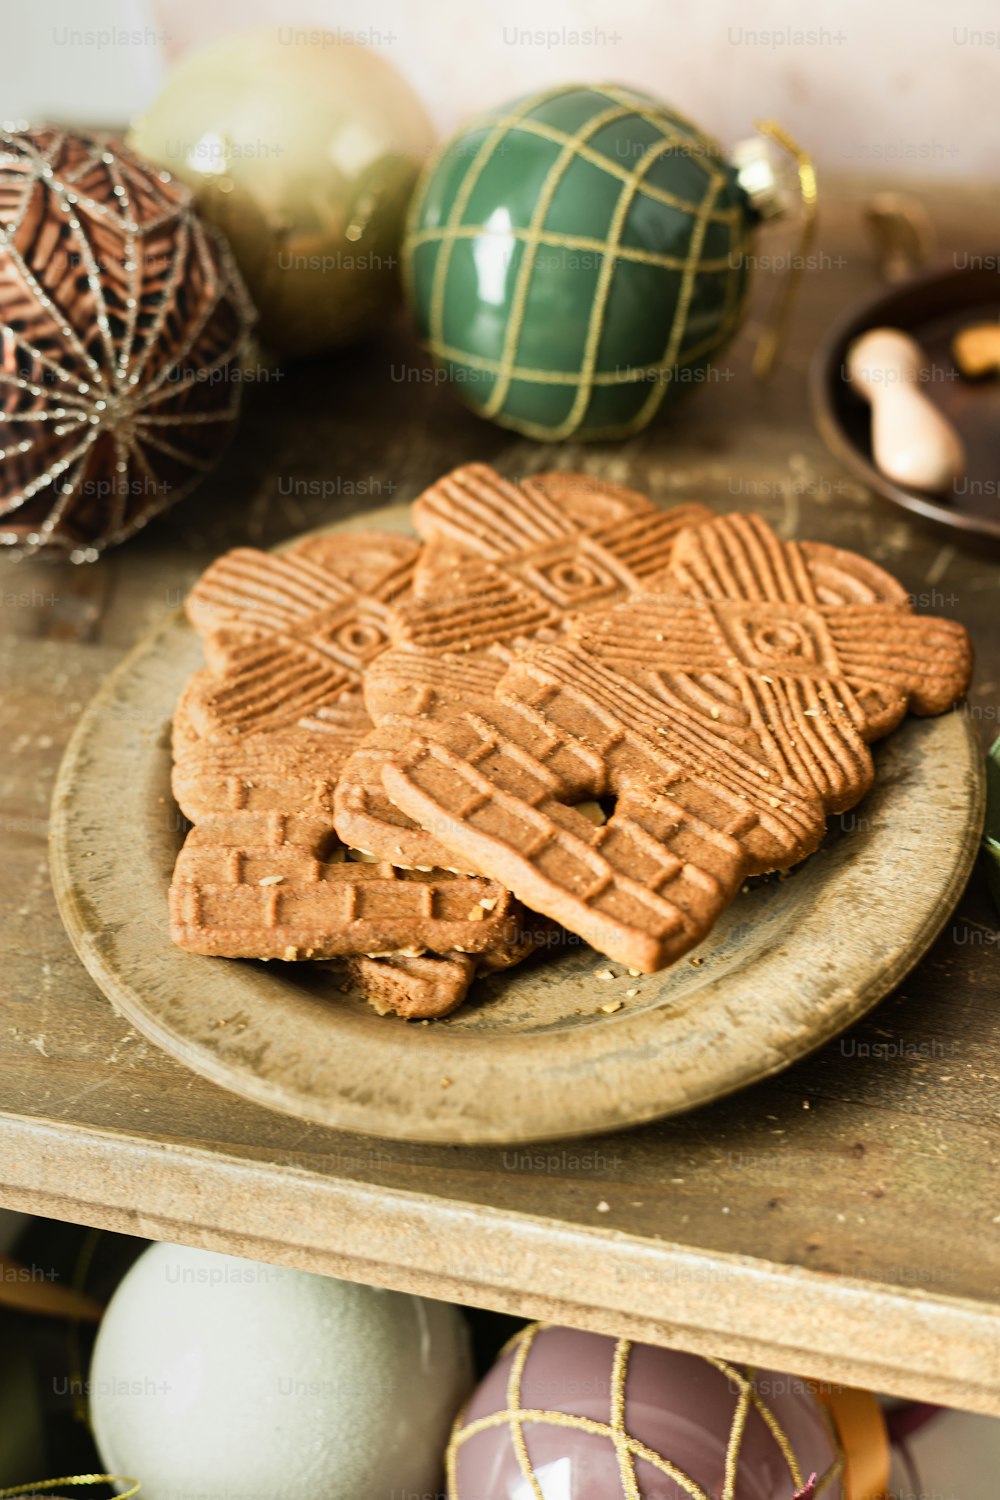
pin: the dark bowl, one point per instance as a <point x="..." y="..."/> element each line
<point x="931" y="307"/>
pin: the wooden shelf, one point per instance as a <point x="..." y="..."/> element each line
<point x="842" y="1221"/>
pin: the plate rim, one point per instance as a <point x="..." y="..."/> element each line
<point x="444" y="1126"/>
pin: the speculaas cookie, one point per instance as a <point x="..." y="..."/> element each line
<point x="505" y="564"/>
<point x="725" y="716"/>
<point x="424" y="986"/>
<point x="287" y="636"/>
<point x="260" y="738"/>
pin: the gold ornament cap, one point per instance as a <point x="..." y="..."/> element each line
<point x="773" y="193"/>
<point x="758" y="175"/>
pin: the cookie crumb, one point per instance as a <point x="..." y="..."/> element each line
<point x="603" y="1207"/>
<point x="611" y="1007"/>
<point x="270" y="880"/>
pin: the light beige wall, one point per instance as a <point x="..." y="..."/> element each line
<point x="908" y="90"/>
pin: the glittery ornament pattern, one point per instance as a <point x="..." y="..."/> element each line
<point x="123" y="323"/>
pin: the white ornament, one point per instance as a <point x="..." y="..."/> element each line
<point x="216" y="1378"/>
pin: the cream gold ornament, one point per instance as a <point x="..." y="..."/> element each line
<point x="216" y="1377"/>
<point x="303" y="147"/>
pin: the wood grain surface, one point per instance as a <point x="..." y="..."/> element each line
<point x="539" y="1052"/>
<point x="841" y="1220"/>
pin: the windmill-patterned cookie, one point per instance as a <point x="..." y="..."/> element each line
<point x="286" y="636"/>
<point x="260" y="738"/>
<point x="725" y="718"/>
<point x="505" y="564"/>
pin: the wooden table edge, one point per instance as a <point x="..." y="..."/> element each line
<point x="905" y="1341"/>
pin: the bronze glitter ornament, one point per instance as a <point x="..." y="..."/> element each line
<point x="123" y="327"/>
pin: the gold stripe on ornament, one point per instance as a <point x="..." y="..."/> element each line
<point x="598" y="312"/>
<point x="534" y="375"/>
<point x="553" y="181"/>
<point x="736" y="1442"/>
<point x="744" y="1380"/>
<point x="628" y="1448"/>
<point x="576" y="147"/>
<point x="653" y="115"/>
<point x="537" y="1417"/>
<point x="506" y="369"/>
<point x="513" y="1403"/>
<point x="566" y="377"/>
<point x="461" y="200"/>
<point x="596" y="159"/>
<point x="73" y="1481"/>
<point x="499" y="126"/>
<point x="626" y="1465"/>
<point x="656" y="396"/>
<point x="555" y="239"/>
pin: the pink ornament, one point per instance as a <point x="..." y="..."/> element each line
<point x="565" y="1415"/>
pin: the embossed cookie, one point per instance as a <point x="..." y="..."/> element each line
<point x="261" y="736"/>
<point x="288" y="636"/>
<point x="505" y="564"/>
<point x="724" y="717"/>
<point x="425" y="986"/>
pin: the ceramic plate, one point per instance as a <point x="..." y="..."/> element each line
<point x="532" y="1055"/>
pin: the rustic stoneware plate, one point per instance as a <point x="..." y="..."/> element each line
<point x="532" y="1055"/>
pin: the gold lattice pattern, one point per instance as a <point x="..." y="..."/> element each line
<point x="627" y="1448"/>
<point x="122" y="319"/>
<point x="621" y="105"/>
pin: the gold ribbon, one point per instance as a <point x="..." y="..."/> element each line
<point x="81" y="1405"/>
<point x="861" y="1428"/>
<point x="770" y="342"/>
<point x="24" y="1292"/>
<point x="72" y="1481"/>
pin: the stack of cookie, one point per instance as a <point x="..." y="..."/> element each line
<point x="562" y="701"/>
